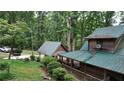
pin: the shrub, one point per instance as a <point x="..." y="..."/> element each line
<point x="48" y="59"/>
<point x="26" y="59"/>
<point x="6" y="76"/>
<point x="68" y="77"/>
<point x="4" y="66"/>
<point x="52" y="66"/>
<point x="19" y="50"/>
<point x="32" y="57"/>
<point x="58" y="73"/>
<point x="38" y="59"/>
<point x="42" y="65"/>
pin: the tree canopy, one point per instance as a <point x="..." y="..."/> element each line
<point x="29" y="29"/>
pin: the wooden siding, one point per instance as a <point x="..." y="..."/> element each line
<point x="107" y="44"/>
<point x="91" y="70"/>
<point x="100" y="73"/>
<point x="61" y="48"/>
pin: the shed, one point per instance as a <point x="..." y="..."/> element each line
<point x="51" y="48"/>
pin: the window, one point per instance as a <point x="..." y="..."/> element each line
<point x="99" y="42"/>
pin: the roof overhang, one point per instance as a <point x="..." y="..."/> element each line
<point x="100" y="37"/>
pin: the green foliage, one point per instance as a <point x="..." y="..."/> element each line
<point x="18" y="50"/>
<point x="22" y="71"/>
<point x="26" y="59"/>
<point x="46" y="60"/>
<point x="69" y="77"/>
<point x="4" y="65"/>
<point x="58" y="73"/>
<point x="5" y="71"/>
<point x="38" y="59"/>
<point x="6" y="76"/>
<point x="52" y="66"/>
<point x="32" y="57"/>
<point x="46" y="25"/>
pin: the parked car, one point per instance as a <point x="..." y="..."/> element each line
<point x="2" y="49"/>
<point x="6" y="49"/>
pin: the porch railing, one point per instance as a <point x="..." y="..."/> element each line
<point x="80" y="75"/>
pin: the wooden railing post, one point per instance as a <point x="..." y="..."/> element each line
<point x="105" y="74"/>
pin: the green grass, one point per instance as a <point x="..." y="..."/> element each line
<point x="25" y="71"/>
<point x="29" y="52"/>
<point x="3" y="55"/>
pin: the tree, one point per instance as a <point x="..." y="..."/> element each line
<point x="13" y="34"/>
<point x="70" y="28"/>
<point x="27" y="17"/>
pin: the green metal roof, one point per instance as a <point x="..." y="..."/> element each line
<point x="104" y="60"/>
<point x="49" y="47"/>
<point x="84" y="46"/>
<point x="108" y="32"/>
<point x="108" y="61"/>
<point x="120" y="49"/>
<point x="77" y="55"/>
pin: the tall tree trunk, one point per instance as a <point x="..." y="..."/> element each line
<point x="69" y="40"/>
<point x="73" y="40"/>
<point x="12" y="46"/>
<point x="10" y="53"/>
<point x="69" y="34"/>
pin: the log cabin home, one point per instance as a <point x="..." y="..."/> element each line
<point x="51" y="48"/>
<point x="101" y="57"/>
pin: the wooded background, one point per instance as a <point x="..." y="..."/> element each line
<point x="29" y="29"/>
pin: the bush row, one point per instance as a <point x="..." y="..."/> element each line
<point x="55" y="69"/>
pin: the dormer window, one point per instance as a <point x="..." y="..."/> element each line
<point x="101" y="44"/>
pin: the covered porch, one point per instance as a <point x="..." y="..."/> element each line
<point x="84" y="65"/>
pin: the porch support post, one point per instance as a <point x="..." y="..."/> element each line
<point x="105" y="75"/>
<point x="62" y="59"/>
<point x="84" y="71"/>
<point x="72" y="62"/>
<point x="69" y="63"/>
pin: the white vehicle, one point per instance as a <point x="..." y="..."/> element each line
<point x="2" y="49"/>
<point x="5" y="49"/>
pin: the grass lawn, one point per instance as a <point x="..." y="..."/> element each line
<point x="29" y="52"/>
<point x="25" y="71"/>
<point x="25" y="52"/>
<point x="3" y="55"/>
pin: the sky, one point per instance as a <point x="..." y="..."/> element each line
<point x="117" y="18"/>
